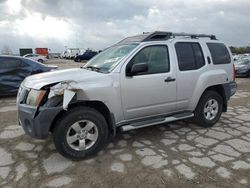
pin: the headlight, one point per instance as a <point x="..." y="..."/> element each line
<point x="35" y="97"/>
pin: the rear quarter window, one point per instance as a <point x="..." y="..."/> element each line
<point x="219" y="53"/>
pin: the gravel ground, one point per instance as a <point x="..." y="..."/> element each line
<point x="65" y="63"/>
<point x="178" y="154"/>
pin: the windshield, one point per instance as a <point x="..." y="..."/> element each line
<point x="107" y="60"/>
<point x="243" y="62"/>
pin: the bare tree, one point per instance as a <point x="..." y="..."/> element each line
<point x="6" y="50"/>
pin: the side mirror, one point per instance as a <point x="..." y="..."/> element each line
<point x="138" y="68"/>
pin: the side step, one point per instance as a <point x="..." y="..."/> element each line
<point x="156" y="121"/>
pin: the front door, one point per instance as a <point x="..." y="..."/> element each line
<point x="152" y="92"/>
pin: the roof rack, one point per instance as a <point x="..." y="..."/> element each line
<point x="195" y="36"/>
<point x="162" y="35"/>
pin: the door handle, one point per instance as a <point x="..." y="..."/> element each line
<point x="169" y="79"/>
<point x="208" y="60"/>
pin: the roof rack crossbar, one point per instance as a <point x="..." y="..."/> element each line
<point x="212" y="37"/>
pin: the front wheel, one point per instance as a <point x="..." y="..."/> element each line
<point x="80" y="133"/>
<point x="209" y="109"/>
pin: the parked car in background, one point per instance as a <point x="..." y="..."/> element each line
<point x="87" y="55"/>
<point x="71" y="53"/>
<point x="36" y="57"/>
<point x="237" y="57"/>
<point x="63" y="55"/>
<point x="14" y="69"/>
<point x="242" y="67"/>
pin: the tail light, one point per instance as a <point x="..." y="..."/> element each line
<point x="234" y="73"/>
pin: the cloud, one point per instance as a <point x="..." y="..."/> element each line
<point x="98" y="24"/>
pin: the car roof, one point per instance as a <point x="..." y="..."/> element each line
<point x="22" y="58"/>
<point x="11" y="56"/>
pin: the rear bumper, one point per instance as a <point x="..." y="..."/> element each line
<point x="229" y="90"/>
<point x="37" y="123"/>
<point x="233" y="88"/>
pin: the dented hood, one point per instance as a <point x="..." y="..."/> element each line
<point x="77" y="75"/>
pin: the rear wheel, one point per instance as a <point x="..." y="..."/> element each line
<point x="80" y="133"/>
<point x="209" y="109"/>
<point x="40" y="60"/>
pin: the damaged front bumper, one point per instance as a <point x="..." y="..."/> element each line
<point x="37" y="118"/>
<point x="37" y="122"/>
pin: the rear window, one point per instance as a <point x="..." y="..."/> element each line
<point x="219" y="53"/>
<point x="189" y="55"/>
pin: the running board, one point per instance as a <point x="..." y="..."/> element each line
<point x="156" y="121"/>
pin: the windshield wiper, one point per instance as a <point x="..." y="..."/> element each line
<point x="93" y="68"/>
<point x="97" y="69"/>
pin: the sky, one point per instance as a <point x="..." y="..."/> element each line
<point x="57" y="24"/>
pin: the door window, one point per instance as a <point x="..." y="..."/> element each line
<point x="189" y="55"/>
<point x="157" y="58"/>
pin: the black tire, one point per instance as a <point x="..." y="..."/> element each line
<point x="199" y="115"/>
<point x="78" y="60"/>
<point x="69" y="118"/>
<point x="40" y="60"/>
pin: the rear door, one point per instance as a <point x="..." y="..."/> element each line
<point x="191" y="64"/>
<point x="149" y="93"/>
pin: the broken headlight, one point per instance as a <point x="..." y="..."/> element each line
<point x="35" y="97"/>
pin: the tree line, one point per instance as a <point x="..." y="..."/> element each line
<point x="240" y="50"/>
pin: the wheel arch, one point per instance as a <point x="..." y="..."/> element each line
<point x="97" y="105"/>
<point x="221" y="90"/>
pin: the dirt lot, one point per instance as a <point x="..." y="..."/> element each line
<point x="178" y="154"/>
<point x="65" y="63"/>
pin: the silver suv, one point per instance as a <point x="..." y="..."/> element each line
<point x="141" y="81"/>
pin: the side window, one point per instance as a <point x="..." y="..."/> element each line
<point x="199" y="58"/>
<point x="219" y="53"/>
<point x="189" y="55"/>
<point x="156" y="57"/>
<point x="6" y="63"/>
